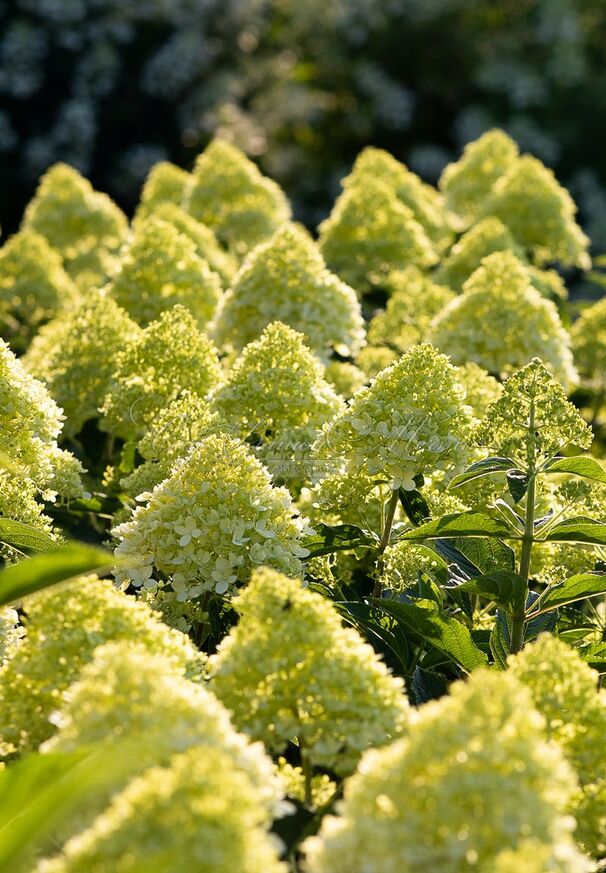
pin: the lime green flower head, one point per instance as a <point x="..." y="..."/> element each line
<point x="160" y="268"/>
<point x="65" y="482"/>
<point x="507" y="429"/>
<point x="285" y="279"/>
<point x="468" y="182"/>
<point x="474" y="777"/>
<point x="230" y="195"/>
<point x="84" y="225"/>
<point x="540" y="214"/>
<point x="426" y="203"/>
<point x="501" y="321"/>
<point x="209" y="523"/>
<point x="75" y="356"/>
<point x="414" y="302"/>
<point x="481" y="389"/>
<point x="19" y="500"/>
<point x="345" y="378"/>
<point x="276" y="393"/>
<point x="564" y="690"/>
<point x="171" y="435"/>
<point x="487" y="236"/>
<point x="206" y="244"/>
<point x="33" y="286"/>
<point x="412" y="419"/>
<point x="197" y="813"/>
<point x="11" y="632"/>
<point x="64" y="626"/>
<point x="165" y="183"/>
<point x="402" y="564"/>
<point x="369" y="233"/>
<point x="373" y="359"/>
<point x="170" y="355"/>
<point x="289" y="669"/>
<point x="588" y="335"/>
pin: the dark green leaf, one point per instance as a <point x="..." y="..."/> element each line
<point x="517" y="482"/>
<point x="424" y="619"/>
<point x="414" y="505"/>
<point x="506" y="589"/>
<point x="595" y="655"/>
<point x="427" y="685"/>
<point x="576" y="588"/>
<point x="41" y="571"/>
<point x="578" y="530"/>
<point x="500" y="640"/>
<point x="461" y="524"/>
<point x="487" y="554"/>
<point x="327" y="539"/>
<point x="582" y="465"/>
<point x="482" y="468"/>
<point x="24" y="536"/>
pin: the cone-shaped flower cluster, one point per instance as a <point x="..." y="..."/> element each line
<point x="74" y="355"/>
<point x="85" y="226"/>
<point x="468" y="182"/>
<point x="165" y="183"/>
<point x="276" y="394"/>
<point x="170" y="355"/>
<point x="289" y="669"/>
<point x="286" y="280"/>
<point x="481" y="389"/>
<point x="230" y="195"/>
<point x="207" y="525"/>
<point x="588" y="335"/>
<point x="33" y="286"/>
<point x="564" y="691"/>
<point x="532" y="390"/>
<point x="414" y="302"/>
<point x="501" y="321"/>
<point x="412" y="419"/>
<point x="475" y="778"/>
<point x="161" y="268"/>
<point x="371" y="232"/>
<point x="487" y="236"/>
<point x="64" y="626"/>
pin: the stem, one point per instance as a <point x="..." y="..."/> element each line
<point x="518" y="619"/>
<point x="385" y="537"/>
<point x="307" y="776"/>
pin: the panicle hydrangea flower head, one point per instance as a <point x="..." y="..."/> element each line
<point x="171" y="435"/>
<point x="19" y="501"/>
<point x="64" y="626"/>
<point x="564" y="690"/>
<point x="165" y="183"/>
<point x="33" y="286"/>
<point x="466" y="183"/>
<point x="540" y="213"/>
<point x="485" y="323"/>
<point x="474" y="777"/>
<point x="557" y="423"/>
<point x="65" y="481"/>
<point x="289" y="669"/>
<point x="74" y="355"/>
<point x="481" y="389"/>
<point x="412" y="419"/>
<point x="170" y="355"/>
<point x="373" y="359"/>
<point x="197" y="813"/>
<point x="209" y="523"/>
<point x="229" y="194"/>
<point x="402" y="563"/>
<point x="286" y="280"/>
<point x="84" y="225"/>
<point x="344" y="377"/>
<point x="487" y="236"/>
<point x="126" y="696"/>
<point x="11" y="632"/>
<point x="414" y="302"/>
<point x="426" y="203"/>
<point x="276" y="393"/>
<point x="369" y="233"/>
<point x="588" y="335"/>
<point x="293" y="778"/>
<point x="159" y="268"/>
<point x="206" y="244"/>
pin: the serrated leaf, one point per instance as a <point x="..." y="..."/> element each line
<point x="500" y="640"/>
<point x="582" y="465"/>
<point x="24" y="536"/>
<point x="577" y="530"/>
<point x="506" y="589"/>
<point x="486" y="467"/>
<point x="576" y="588"/>
<point x="461" y="524"/>
<point x="487" y="554"/>
<point x="328" y="539"/>
<point x="414" y="505"/>
<point x="42" y="571"/>
<point x="424" y="619"/>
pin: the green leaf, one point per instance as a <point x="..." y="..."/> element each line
<point x="424" y="619"/>
<point x="328" y="539"/>
<point x="414" y="505"/>
<point x="24" y="536"/>
<point x="500" y="640"/>
<point x="482" y="468"/>
<point x="595" y="655"/>
<point x="577" y="530"/>
<point x="517" y="482"/>
<point x="576" y="588"/>
<point x="427" y="685"/>
<point x="581" y="465"/>
<point x="506" y="589"/>
<point x="41" y="571"/>
<point x="461" y="524"/>
<point x="487" y="554"/>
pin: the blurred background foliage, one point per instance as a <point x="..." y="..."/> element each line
<point x="112" y="86"/>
